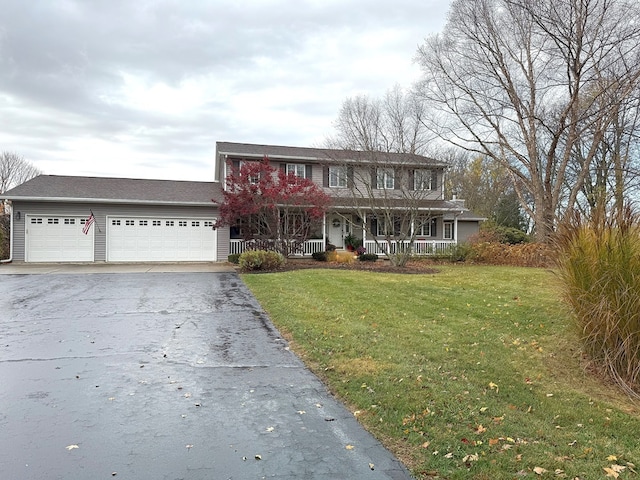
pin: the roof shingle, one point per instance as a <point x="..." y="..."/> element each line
<point x="115" y="190"/>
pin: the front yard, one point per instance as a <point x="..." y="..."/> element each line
<point x="469" y="373"/>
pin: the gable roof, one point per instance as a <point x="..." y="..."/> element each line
<point x="277" y="152"/>
<point x="59" y="188"/>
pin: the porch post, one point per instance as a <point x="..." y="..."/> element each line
<point x="455" y="229"/>
<point x="324" y="231"/>
<point x="364" y="229"/>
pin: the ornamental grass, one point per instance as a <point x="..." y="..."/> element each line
<point x="599" y="268"/>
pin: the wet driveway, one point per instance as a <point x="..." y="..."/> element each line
<point x="163" y="376"/>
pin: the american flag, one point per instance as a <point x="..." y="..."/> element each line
<point x="87" y="225"/>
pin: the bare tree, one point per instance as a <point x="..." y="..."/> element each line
<point x="14" y="170"/>
<point x="525" y="81"/>
<point x="385" y="182"/>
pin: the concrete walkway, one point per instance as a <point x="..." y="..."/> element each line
<point x="167" y="375"/>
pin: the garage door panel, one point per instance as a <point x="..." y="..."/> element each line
<point x="153" y="239"/>
<point x="57" y="239"/>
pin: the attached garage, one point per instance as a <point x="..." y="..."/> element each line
<point x="136" y="220"/>
<point x="57" y="239"/>
<point x="160" y="239"/>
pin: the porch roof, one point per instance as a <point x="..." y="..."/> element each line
<point x="443" y="206"/>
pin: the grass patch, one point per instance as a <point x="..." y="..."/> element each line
<point x="470" y="373"/>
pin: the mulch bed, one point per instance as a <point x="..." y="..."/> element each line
<point x="383" y="266"/>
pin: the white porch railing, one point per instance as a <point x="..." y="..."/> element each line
<point x="420" y="247"/>
<point x="308" y="248"/>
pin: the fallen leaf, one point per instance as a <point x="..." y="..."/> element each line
<point x="258" y="457"/>
<point x="301" y="412"/>
<point x="493" y="386"/>
<point x="270" y="429"/>
<point x="539" y="470"/>
<point x="493" y="441"/>
<point x="426" y="444"/>
<point x="449" y="455"/>
<point x="371" y="465"/>
<point x="189" y="447"/>
<point x="71" y="447"/>
<point x="349" y="447"/>
<point x="611" y="473"/>
<point x="480" y="429"/>
<point x="612" y="458"/>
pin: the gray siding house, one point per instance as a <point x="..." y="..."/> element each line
<point x="134" y="220"/>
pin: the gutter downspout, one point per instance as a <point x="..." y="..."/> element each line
<point x="10" y="259"/>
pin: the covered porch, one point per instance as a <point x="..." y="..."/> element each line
<point x="345" y="230"/>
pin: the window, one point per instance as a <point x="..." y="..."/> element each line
<point x="448" y="230"/>
<point x="69" y="221"/>
<point x="422" y="179"/>
<point x="253" y="179"/>
<point x="35" y="221"/>
<point x="337" y="177"/>
<point x="53" y="221"/>
<point x="143" y="223"/>
<point x="115" y="222"/>
<point x="182" y="223"/>
<point x="298" y="169"/>
<point x="423" y="227"/>
<point x="208" y="224"/>
<point x="130" y="223"/>
<point x="385" y="178"/>
<point x="195" y="224"/>
<point x="169" y="223"/>
<point x="156" y="223"/>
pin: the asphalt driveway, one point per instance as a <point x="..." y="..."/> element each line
<point x="175" y="375"/>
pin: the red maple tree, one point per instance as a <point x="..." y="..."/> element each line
<point x="270" y="209"/>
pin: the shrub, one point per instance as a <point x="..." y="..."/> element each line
<point x="599" y="268"/>
<point x="319" y="256"/>
<point x="460" y="252"/>
<point x="368" y="257"/>
<point x="234" y="258"/>
<point x="253" y="260"/>
<point x="344" y="257"/>
<point x="519" y="255"/>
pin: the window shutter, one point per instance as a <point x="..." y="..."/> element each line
<point x="325" y="176"/>
<point x="307" y="171"/>
<point x="374" y="178"/>
<point x="397" y="178"/>
<point x="434" y="230"/>
<point x="235" y="164"/>
<point x="349" y="177"/>
<point x="283" y="167"/>
<point x="412" y="178"/>
<point x="434" y="179"/>
<point x="374" y="226"/>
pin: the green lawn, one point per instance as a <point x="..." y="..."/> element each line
<point x="470" y="373"/>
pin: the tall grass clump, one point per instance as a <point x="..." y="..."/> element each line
<point x="599" y="268"/>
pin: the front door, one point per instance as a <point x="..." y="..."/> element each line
<point x="335" y="230"/>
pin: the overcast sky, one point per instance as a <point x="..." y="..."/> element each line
<point x="144" y="88"/>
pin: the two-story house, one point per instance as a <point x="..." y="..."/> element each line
<point x="140" y="220"/>
<point x="371" y="191"/>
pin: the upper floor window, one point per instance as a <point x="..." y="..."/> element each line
<point x="385" y="178"/>
<point x="422" y="179"/>
<point x="338" y="177"/>
<point x="298" y="169"/>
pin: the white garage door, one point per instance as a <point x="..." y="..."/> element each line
<point x="57" y="239"/>
<point x="141" y="239"/>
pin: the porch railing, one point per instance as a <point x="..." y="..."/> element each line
<point x="308" y="248"/>
<point x="420" y="247"/>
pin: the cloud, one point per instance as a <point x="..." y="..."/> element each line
<point x="146" y="88"/>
